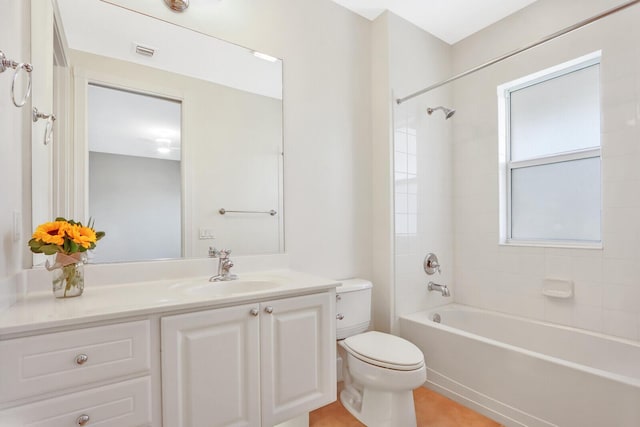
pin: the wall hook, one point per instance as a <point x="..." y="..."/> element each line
<point x="50" y="118"/>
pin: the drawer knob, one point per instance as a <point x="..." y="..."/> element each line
<point x="81" y="359"/>
<point x="83" y="420"/>
<point x="339" y="316"/>
<point x="254" y="312"/>
<point x="269" y="309"/>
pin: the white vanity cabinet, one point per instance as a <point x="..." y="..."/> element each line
<point x="250" y="365"/>
<point x="92" y="376"/>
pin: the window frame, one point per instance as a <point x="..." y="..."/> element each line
<point x="507" y="166"/>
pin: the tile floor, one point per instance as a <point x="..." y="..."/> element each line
<point x="432" y="410"/>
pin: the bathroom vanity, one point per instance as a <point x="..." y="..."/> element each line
<point x="253" y="352"/>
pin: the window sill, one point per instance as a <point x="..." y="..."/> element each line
<point x="561" y="245"/>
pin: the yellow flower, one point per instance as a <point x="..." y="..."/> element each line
<point x="83" y="236"/>
<point x="51" y="232"/>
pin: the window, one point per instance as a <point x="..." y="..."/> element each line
<point x="550" y="156"/>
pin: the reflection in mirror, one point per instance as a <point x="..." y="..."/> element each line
<point x="229" y="129"/>
<point x="134" y="174"/>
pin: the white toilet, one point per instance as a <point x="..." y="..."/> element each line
<point x="379" y="370"/>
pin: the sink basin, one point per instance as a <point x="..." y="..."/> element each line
<point x="232" y="287"/>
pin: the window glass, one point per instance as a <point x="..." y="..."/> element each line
<point x="558" y="201"/>
<point x="556" y="116"/>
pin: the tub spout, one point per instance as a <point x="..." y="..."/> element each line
<point x="443" y="289"/>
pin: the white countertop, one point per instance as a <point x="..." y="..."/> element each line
<point x="39" y="311"/>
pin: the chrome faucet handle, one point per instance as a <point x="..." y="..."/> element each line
<point x="222" y="253"/>
<point x="431" y="264"/>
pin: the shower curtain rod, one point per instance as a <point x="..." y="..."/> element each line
<point x="522" y="49"/>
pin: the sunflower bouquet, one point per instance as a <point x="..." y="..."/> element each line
<point x="68" y="240"/>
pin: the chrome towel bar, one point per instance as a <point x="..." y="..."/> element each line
<point x="272" y="212"/>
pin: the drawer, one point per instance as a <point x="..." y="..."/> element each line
<point x="125" y="404"/>
<point x="45" y="363"/>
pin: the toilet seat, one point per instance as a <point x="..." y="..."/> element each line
<point x="384" y="350"/>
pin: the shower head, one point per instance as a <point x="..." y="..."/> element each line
<point x="448" y="112"/>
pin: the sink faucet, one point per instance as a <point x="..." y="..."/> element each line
<point x="440" y="288"/>
<point x="224" y="265"/>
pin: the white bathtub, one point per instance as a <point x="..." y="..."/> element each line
<point x="524" y="372"/>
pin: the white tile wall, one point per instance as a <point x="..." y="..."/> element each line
<point x="508" y="278"/>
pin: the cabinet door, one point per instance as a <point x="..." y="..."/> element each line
<point x="298" y="361"/>
<point x="210" y="368"/>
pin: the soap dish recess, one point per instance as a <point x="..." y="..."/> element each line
<point x="557" y="288"/>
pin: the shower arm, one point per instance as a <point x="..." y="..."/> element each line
<point x="522" y="49"/>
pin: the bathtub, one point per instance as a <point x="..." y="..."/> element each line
<point x="523" y="372"/>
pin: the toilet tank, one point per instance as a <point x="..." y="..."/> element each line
<point x="353" y="307"/>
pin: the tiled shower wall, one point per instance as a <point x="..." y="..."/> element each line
<point x="422" y="203"/>
<point x="507" y="278"/>
<point x="422" y="176"/>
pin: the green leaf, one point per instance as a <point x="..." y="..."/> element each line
<point x="73" y="246"/>
<point x="100" y="235"/>
<point x="50" y="249"/>
<point x="60" y="219"/>
<point x="35" y="244"/>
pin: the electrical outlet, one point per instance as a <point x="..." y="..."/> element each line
<point x="206" y="234"/>
<point x="17" y="226"/>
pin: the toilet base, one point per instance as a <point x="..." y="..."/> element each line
<point x="376" y="408"/>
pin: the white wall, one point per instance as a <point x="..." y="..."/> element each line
<point x="382" y="197"/>
<point x="14" y="146"/>
<point x="509" y="279"/>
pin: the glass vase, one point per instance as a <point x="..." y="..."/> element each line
<point x="68" y="280"/>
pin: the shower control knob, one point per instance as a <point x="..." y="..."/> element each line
<point x="431" y="264"/>
<point x="268" y="309"/>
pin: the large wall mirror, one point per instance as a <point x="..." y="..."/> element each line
<point x="162" y="128"/>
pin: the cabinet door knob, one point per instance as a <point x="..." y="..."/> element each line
<point x="254" y="312"/>
<point x="268" y="309"/>
<point x="339" y="316"/>
<point x="83" y="420"/>
<point x="81" y="359"/>
<point x="338" y="297"/>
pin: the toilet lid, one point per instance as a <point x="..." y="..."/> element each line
<point x="384" y="350"/>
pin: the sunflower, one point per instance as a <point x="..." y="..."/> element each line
<point x="51" y="232"/>
<point x="83" y="236"/>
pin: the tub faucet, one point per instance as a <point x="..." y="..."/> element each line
<point x="224" y="265"/>
<point x="440" y="288"/>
